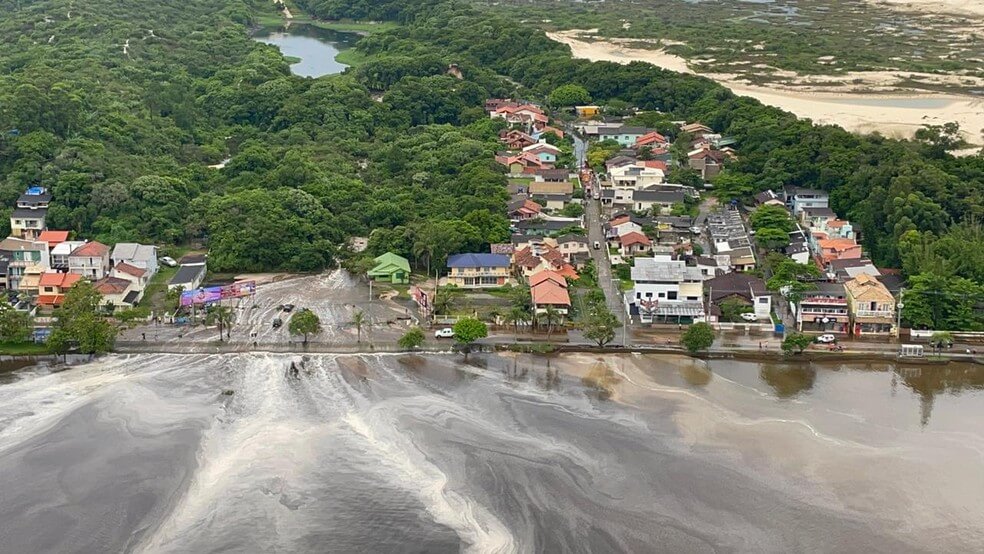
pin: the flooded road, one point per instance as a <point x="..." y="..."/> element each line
<point x="576" y="453"/>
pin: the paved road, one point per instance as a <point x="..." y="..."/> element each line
<point x="603" y="266"/>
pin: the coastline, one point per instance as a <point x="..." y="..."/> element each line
<point x="822" y="104"/>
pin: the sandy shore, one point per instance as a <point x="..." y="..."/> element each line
<point x="893" y="114"/>
<point x="962" y="7"/>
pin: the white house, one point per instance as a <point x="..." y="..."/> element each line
<point x="91" y="260"/>
<point x="61" y="251"/>
<point x="635" y="176"/>
<point x="799" y="198"/>
<point x="188" y="277"/>
<point x="143" y="256"/>
<point x="743" y="288"/>
<point x="666" y="289"/>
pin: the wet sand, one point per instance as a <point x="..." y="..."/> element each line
<point x="896" y="114"/>
<point x="517" y="453"/>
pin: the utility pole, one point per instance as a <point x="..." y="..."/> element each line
<point x="370" y="313"/>
<point x="898" y="314"/>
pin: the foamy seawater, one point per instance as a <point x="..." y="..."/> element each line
<point x="398" y="453"/>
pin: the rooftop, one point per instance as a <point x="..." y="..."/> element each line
<point x="663" y="269"/>
<point x="478" y="260"/>
<point x="91" y="249"/>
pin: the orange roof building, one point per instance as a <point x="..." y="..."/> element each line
<point x="53" y="238"/>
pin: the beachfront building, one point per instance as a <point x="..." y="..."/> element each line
<point x="667" y="290"/>
<point x="871" y="307"/>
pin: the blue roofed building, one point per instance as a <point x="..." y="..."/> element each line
<point x="473" y="271"/>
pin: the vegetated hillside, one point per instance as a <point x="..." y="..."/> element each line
<point x="123" y="138"/>
<point x="119" y="106"/>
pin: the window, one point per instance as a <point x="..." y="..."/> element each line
<point x="672" y="295"/>
<point x="763" y="300"/>
<point x="662" y="295"/>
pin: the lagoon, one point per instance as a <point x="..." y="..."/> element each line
<point x="316" y="48"/>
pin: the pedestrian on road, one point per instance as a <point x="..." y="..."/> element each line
<point x="143" y="336"/>
<point x="760" y="345"/>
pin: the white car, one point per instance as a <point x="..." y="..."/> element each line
<point x="826" y="339"/>
<point x="748" y="316"/>
<point x="169" y="261"/>
<point x="446" y="333"/>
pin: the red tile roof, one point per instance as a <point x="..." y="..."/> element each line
<point x="62" y="280"/>
<point x="91" y="249"/>
<point x="547" y="275"/>
<point x="53" y="237"/>
<point x="111" y="285"/>
<point x="51" y="299"/>
<point x="634" y="237"/>
<point x="130" y="269"/>
<point x="550" y="293"/>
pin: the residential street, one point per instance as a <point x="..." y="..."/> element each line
<point x="594" y="221"/>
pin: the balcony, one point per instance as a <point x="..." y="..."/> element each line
<point x="880" y="314"/>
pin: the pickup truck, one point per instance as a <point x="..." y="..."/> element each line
<point x="446" y="333"/>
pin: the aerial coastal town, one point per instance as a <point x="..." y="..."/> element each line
<point x="605" y="250"/>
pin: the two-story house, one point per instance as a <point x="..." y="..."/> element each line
<point x="91" y="260"/>
<point x="743" y="288"/>
<point x="26" y="258"/>
<point x="549" y="289"/>
<point x="798" y="198"/>
<point x="60" y="253"/>
<point x="667" y="290"/>
<point x="143" y="256"/>
<point x="474" y="270"/>
<point x="546" y="152"/>
<point x="823" y="309"/>
<point x="27" y="221"/>
<point x="871" y="307"/>
<point x="634" y="176"/>
<point x="138" y="276"/>
<point x="624" y="135"/>
<point x="53" y="287"/>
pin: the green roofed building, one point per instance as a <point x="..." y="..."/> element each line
<point x="391" y="268"/>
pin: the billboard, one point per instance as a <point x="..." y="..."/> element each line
<point x="210" y="295"/>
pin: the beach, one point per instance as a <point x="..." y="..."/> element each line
<point x="863" y="103"/>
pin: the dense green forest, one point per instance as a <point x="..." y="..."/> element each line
<point x="123" y="138"/>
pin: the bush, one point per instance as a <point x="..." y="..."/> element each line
<point x="697" y="337"/>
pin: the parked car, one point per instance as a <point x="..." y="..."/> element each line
<point x="749" y="316"/>
<point x="445" y="333"/>
<point x="287" y="307"/>
<point x="826" y="339"/>
<point x="277" y="323"/>
<point x="597" y="245"/>
<point x="169" y="261"/>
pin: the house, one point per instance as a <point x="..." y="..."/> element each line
<point x="188" y="277"/>
<point x="552" y="176"/>
<point x="549" y="289"/>
<point x="390" y="268"/>
<point x="743" y="288"/>
<point x="624" y="135"/>
<point x="666" y="289"/>
<point x="523" y="114"/>
<point x="587" y="111"/>
<point x="547" y="153"/>
<point x="707" y="162"/>
<point x="571" y="246"/>
<point x="521" y="163"/>
<point x="537" y="256"/>
<point x="554" y="201"/>
<point x="846" y="269"/>
<point x="742" y="258"/>
<point x="26" y="258"/>
<point x="656" y="198"/>
<point x="514" y="139"/>
<point x="53" y="238"/>
<point x="540" y="188"/>
<point x="871" y="306"/>
<point x="652" y="139"/>
<point x="27" y="223"/>
<point x="822" y="309"/>
<point x="91" y="260"/>
<point x="829" y="250"/>
<point x="814" y="217"/>
<point x="523" y="209"/>
<point x="60" y="253"/>
<point x="117" y="293"/>
<point x="634" y="243"/>
<point x="798" y="248"/>
<point x="696" y="129"/>
<point x="53" y="286"/>
<point x="143" y="256"/>
<point x="619" y="161"/>
<point x="635" y="176"/>
<point x="138" y="276"/>
<point x="712" y="266"/>
<point x="540" y="128"/>
<point x="478" y="270"/>
<point x="768" y="198"/>
<point x="798" y="198"/>
<point x="34" y="198"/>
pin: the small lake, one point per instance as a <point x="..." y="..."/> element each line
<point x="315" y="47"/>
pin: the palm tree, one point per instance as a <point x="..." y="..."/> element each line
<point x="221" y="316"/>
<point x="551" y="316"/>
<point x="516" y="315"/>
<point x="359" y="319"/>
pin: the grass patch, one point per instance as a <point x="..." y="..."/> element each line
<point x="352" y="57"/>
<point x="22" y="349"/>
<point x="157" y="288"/>
<point x="367" y="27"/>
